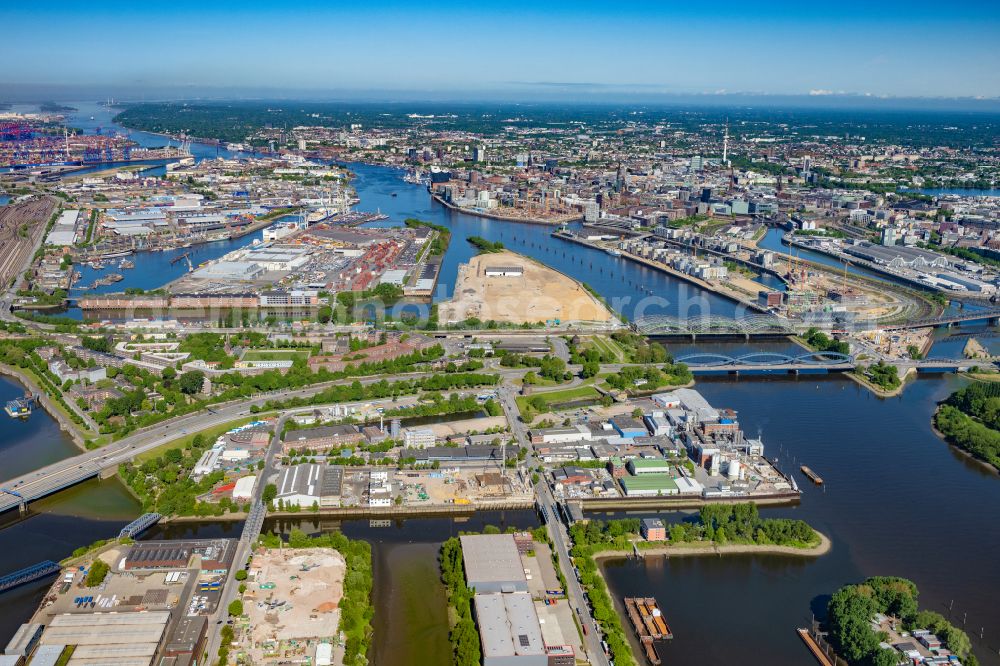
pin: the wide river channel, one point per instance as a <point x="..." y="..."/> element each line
<point x="897" y="500"/>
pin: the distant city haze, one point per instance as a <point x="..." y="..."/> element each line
<point x="581" y="51"/>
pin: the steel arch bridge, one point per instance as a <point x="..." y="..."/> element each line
<point x="766" y="359"/>
<point x="757" y="324"/>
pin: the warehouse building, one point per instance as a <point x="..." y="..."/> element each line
<point x="24" y="641"/>
<point x="638" y="466"/>
<point x="306" y="484"/>
<point x="504" y="271"/>
<point x="509" y="630"/>
<point x="492" y="564"/>
<point x="122" y="639"/>
<point x="216" y="554"/>
<point x="897" y="256"/>
<point x="322" y="438"/>
<point x="649" y="485"/>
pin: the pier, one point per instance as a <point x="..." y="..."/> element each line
<point x="813" y="647"/>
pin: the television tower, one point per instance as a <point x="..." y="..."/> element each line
<point x="725" y="144"/>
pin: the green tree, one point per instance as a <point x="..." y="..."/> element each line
<point x="191" y="382"/>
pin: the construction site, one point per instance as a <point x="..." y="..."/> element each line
<point x="292" y="601"/>
<point x="511" y="288"/>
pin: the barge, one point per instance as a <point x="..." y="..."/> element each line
<point x="813" y="476"/>
<point x="648" y="623"/>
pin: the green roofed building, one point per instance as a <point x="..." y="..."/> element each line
<point x="649" y="485"/>
<point x="649" y="466"/>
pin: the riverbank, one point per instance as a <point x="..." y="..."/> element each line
<point x="66" y="424"/>
<point x="970" y="457"/>
<point x="718" y="290"/>
<point x="665" y="503"/>
<point x="394" y="512"/>
<point x="824" y="546"/>
<point x="877" y="390"/>
<point x="565" y="219"/>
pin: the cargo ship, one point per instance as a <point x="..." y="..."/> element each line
<point x="648" y="623"/>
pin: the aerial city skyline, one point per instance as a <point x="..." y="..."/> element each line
<point x="499" y="335"/>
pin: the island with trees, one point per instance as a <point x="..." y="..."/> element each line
<point x="970" y="420"/>
<point x="878" y="623"/>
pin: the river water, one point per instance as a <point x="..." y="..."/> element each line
<point x="897" y="501"/>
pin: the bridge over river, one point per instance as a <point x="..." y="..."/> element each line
<point x="807" y="363"/>
<point x="767" y="325"/>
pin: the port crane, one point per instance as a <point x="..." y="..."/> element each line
<point x="184" y="257"/>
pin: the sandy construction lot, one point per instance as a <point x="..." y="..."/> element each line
<point x="539" y="294"/>
<point x="305" y="599"/>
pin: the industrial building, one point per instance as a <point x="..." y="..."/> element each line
<point x="216" y="554"/>
<point x="122" y="639"/>
<point x="509" y="630"/>
<point x="418" y="438"/>
<point x="321" y="438"/>
<point x="649" y="485"/>
<point x="309" y="483"/>
<point x="492" y="564"/>
<point x="897" y="256"/>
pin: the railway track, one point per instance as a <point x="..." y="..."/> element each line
<point x="32" y="216"/>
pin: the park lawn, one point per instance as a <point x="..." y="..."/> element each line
<point x="275" y="354"/>
<point x="607" y="346"/>
<point x="210" y="434"/>
<point x="566" y="395"/>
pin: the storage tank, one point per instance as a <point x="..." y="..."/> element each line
<point x="733" y="473"/>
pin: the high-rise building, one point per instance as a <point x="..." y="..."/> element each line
<point x="697" y="163"/>
<point x="478" y="154"/>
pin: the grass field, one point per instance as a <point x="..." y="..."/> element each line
<point x="566" y="395"/>
<point x="607" y="346"/>
<point x="275" y="354"/>
<point x="210" y="434"/>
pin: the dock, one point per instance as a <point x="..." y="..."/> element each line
<point x="648" y="623"/>
<point x="813" y="476"/>
<point x="813" y="647"/>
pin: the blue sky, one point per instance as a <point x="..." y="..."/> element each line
<point x="775" y="47"/>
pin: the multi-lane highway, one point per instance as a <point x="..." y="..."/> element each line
<point x="65" y="473"/>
